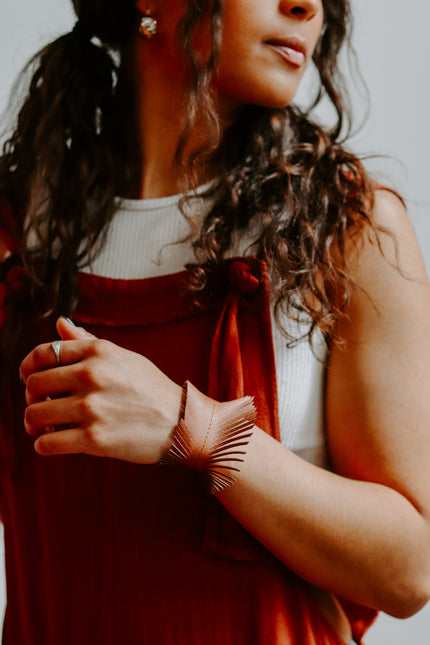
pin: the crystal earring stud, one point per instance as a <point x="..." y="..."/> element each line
<point x="148" y="26"/>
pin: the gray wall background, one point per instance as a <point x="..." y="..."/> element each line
<point x="394" y="54"/>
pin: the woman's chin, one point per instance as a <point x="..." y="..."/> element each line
<point x="272" y="100"/>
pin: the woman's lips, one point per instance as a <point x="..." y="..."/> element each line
<point x="292" y="50"/>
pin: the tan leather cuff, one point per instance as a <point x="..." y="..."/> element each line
<point x="212" y="437"/>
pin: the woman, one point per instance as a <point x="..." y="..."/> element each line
<point x="289" y="238"/>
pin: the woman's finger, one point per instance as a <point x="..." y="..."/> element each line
<point x="69" y="331"/>
<point x="56" y="412"/>
<point x="71" y="441"/>
<point x="45" y="357"/>
<point x="55" y="382"/>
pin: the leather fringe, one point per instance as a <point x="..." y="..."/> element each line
<point x="212" y="437"/>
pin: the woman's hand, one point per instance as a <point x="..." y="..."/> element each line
<point x="112" y="402"/>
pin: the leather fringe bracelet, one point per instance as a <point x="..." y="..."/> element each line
<point x="212" y="437"/>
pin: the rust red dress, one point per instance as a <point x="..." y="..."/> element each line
<point x="100" y="550"/>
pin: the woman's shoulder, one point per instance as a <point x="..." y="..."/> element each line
<point x="392" y="237"/>
<point x="388" y="204"/>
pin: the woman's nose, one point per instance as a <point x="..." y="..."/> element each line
<point x="301" y="9"/>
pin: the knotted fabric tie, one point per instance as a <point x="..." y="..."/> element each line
<point x="17" y="279"/>
<point x="14" y="281"/>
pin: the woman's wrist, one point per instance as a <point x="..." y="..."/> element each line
<point x="173" y="407"/>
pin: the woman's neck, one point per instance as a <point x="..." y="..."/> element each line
<point x="158" y="87"/>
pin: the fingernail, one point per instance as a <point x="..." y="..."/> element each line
<point x="68" y="320"/>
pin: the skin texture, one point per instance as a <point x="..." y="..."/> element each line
<point x="362" y="532"/>
<point x="250" y="72"/>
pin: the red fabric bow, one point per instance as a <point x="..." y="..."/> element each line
<point x="226" y="357"/>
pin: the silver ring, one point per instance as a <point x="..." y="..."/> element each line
<point x="56" y="346"/>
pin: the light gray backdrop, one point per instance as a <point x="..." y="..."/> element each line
<point x="394" y="53"/>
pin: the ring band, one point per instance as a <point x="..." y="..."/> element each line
<point x="56" y="346"/>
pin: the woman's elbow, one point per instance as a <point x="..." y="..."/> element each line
<point x="405" y="598"/>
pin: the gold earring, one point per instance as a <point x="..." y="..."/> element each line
<point x="148" y="25"/>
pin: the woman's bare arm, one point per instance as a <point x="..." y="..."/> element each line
<point x="363" y="533"/>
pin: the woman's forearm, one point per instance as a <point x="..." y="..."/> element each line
<point x="360" y="540"/>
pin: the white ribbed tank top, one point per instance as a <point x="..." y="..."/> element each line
<point x="150" y="237"/>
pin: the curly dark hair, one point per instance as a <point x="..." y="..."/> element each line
<point x="67" y="159"/>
